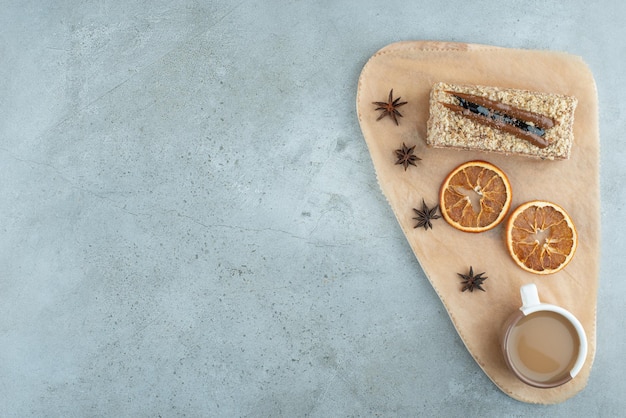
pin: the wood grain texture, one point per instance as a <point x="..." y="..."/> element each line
<point x="411" y="68"/>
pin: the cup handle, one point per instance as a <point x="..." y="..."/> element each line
<point x="530" y="296"/>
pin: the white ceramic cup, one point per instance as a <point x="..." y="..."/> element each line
<point x="543" y="342"/>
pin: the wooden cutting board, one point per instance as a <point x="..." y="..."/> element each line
<point x="410" y="69"/>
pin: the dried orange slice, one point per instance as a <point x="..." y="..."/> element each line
<point x="475" y="196"/>
<point x="541" y="237"/>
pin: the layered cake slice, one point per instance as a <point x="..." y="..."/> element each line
<point x="508" y="121"/>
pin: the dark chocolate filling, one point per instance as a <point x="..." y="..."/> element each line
<point x="521" y="123"/>
<point x="499" y="117"/>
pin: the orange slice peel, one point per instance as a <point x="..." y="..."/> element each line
<point x="475" y="196"/>
<point x="541" y="237"/>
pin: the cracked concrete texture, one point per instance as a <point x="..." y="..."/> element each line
<point x="191" y="224"/>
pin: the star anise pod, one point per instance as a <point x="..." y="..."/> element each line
<point x="471" y="282"/>
<point x="390" y="108"/>
<point x="405" y="156"/>
<point x="425" y="216"/>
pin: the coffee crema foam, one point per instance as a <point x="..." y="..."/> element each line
<point x="543" y="346"/>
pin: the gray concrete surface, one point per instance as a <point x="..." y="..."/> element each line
<point x="191" y="225"/>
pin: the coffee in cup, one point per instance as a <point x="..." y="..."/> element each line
<point x="544" y="345"/>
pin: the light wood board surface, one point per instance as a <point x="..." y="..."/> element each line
<point x="411" y="68"/>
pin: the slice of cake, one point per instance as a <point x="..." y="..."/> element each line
<point x="508" y="121"/>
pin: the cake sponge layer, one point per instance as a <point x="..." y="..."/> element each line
<point x="448" y="128"/>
